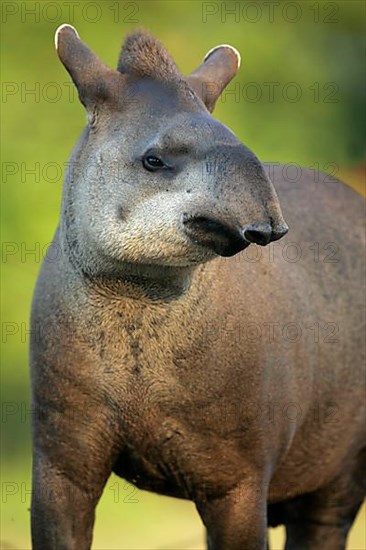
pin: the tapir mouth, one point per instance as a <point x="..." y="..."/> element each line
<point x="220" y="238"/>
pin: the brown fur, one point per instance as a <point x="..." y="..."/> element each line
<point x="143" y="55"/>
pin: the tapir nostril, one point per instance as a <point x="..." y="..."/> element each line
<point x="279" y="231"/>
<point x="258" y="233"/>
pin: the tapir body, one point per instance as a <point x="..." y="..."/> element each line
<point x="165" y="350"/>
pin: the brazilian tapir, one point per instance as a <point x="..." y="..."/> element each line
<point x="163" y="350"/>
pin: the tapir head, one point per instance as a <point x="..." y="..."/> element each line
<point x="155" y="179"/>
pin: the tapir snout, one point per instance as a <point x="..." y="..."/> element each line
<point x="237" y="204"/>
<point x="227" y="240"/>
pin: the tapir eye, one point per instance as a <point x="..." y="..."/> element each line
<point x="152" y="163"/>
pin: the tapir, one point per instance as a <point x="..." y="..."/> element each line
<point x="176" y="340"/>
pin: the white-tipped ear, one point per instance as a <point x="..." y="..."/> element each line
<point x="234" y="50"/>
<point x="59" y="29"/>
<point x="219" y="66"/>
<point x="94" y="80"/>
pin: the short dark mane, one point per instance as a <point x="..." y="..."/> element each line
<point x="144" y="56"/>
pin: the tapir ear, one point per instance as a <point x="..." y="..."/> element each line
<point x="219" y="66"/>
<point x="94" y="80"/>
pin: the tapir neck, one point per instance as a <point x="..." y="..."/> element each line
<point x="139" y="281"/>
<point x="143" y="282"/>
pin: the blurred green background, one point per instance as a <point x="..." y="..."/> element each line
<point x="299" y="98"/>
